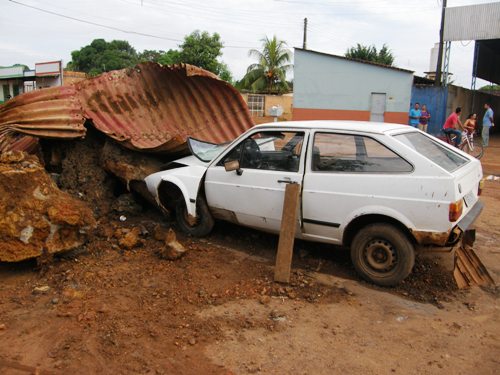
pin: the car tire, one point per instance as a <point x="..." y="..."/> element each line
<point x="382" y="254"/>
<point x="203" y="223"/>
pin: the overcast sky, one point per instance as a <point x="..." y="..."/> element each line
<point x="409" y="27"/>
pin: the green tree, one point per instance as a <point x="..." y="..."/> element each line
<point x="370" y="53"/>
<point x="150" y="55"/>
<point x="101" y="56"/>
<point x="170" y="57"/>
<point x="490" y="88"/>
<point x="269" y="73"/>
<point x="203" y="50"/>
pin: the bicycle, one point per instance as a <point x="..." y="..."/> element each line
<point x="467" y="144"/>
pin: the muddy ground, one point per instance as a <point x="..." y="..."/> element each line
<point x="108" y="310"/>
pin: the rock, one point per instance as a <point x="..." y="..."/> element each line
<point x="35" y="216"/>
<point x="131" y="239"/>
<point x="173" y="249"/>
<point x="277" y="316"/>
<point x="160" y="233"/>
<point x="192" y="341"/>
<point x="126" y="204"/>
<point x="2" y="326"/>
<point x="264" y="300"/>
<point x="41" y="289"/>
<point x="55" y="301"/>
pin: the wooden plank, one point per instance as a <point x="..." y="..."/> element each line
<point x="469" y="269"/>
<point x="287" y="234"/>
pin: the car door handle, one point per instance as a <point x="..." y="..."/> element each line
<point x="286" y="180"/>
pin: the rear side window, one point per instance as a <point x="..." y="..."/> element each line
<point x="355" y="153"/>
<point x="431" y="149"/>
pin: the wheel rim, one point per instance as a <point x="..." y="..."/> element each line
<point x="380" y="255"/>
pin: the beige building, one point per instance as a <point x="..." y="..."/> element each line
<point x="260" y="106"/>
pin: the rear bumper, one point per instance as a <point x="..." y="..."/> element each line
<point x="471" y="216"/>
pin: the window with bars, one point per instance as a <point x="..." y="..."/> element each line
<point x="256" y="104"/>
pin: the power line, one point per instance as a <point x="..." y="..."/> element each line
<point x="94" y="23"/>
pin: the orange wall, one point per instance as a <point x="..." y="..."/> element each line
<point x="337" y="114"/>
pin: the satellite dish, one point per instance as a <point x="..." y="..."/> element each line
<point x="276" y="110"/>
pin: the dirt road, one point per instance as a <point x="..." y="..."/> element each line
<point x="216" y="311"/>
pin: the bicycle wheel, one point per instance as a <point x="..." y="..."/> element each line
<point x="473" y="149"/>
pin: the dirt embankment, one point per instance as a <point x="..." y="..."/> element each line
<point x="35" y="216"/>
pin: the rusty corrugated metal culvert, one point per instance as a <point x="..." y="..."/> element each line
<point x="149" y="107"/>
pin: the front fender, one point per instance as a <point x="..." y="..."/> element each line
<point x="188" y="179"/>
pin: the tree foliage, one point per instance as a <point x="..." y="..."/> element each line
<point x="268" y="75"/>
<point x="203" y="50"/>
<point x="199" y="48"/>
<point x="369" y="53"/>
<point x="490" y="88"/>
<point x="101" y="56"/>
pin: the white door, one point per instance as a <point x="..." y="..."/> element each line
<point x="377" y="108"/>
<point x="254" y="195"/>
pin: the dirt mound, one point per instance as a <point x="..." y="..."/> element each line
<point x="35" y="216"/>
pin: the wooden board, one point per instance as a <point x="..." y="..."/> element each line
<point x="287" y="234"/>
<point x="469" y="270"/>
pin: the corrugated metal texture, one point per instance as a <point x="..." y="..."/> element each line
<point x="472" y="22"/>
<point x="52" y="113"/>
<point x="150" y="107"/>
<point x="155" y="108"/>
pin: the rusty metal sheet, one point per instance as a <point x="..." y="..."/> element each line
<point x="50" y="113"/>
<point x="150" y="107"/>
<point x="155" y="108"/>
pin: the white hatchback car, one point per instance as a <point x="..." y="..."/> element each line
<point x="380" y="189"/>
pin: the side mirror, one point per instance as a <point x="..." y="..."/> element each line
<point x="233" y="165"/>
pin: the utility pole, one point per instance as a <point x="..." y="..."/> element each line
<point x="304" y="43"/>
<point x="437" y="80"/>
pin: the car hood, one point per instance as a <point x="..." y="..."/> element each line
<point x="191" y="160"/>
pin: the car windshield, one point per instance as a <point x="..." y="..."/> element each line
<point x="433" y="150"/>
<point x="205" y="151"/>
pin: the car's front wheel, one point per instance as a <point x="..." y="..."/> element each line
<point x="198" y="226"/>
<point x="382" y="254"/>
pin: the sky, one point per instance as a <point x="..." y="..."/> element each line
<point x="408" y="27"/>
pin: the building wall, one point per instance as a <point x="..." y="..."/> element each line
<point x="329" y="87"/>
<point x="285" y="101"/>
<point x="442" y="101"/>
<point x="10" y="88"/>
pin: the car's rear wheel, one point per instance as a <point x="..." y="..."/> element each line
<point x="382" y="254"/>
<point x="198" y="226"/>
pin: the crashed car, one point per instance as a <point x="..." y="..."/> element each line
<point x="382" y="190"/>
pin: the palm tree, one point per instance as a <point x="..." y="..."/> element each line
<point x="269" y="74"/>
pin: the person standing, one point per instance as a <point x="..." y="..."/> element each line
<point x="425" y="116"/>
<point x="487" y="124"/>
<point x="415" y="115"/>
<point x="450" y="126"/>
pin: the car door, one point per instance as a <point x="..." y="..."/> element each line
<point x="350" y="175"/>
<point x="253" y="195"/>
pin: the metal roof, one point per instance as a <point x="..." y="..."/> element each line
<point x="49" y="113"/>
<point x="149" y="107"/>
<point x="472" y="22"/>
<point x="356" y="60"/>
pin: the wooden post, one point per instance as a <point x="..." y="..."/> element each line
<point x="287" y="234"/>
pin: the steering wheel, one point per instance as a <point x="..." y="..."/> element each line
<point x="251" y="156"/>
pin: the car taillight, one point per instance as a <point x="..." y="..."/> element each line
<point x="480" y="187"/>
<point x="455" y="210"/>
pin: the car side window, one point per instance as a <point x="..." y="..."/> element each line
<point x="268" y="150"/>
<point x="354" y="153"/>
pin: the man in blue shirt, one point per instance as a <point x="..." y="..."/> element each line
<point x="487" y="124"/>
<point x="415" y="115"/>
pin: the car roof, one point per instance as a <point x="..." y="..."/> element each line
<point x="361" y="126"/>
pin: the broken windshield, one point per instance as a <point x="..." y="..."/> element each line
<point x="205" y="151"/>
